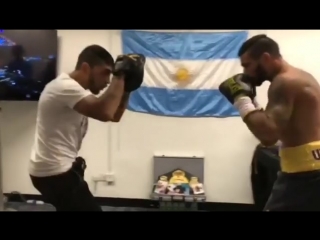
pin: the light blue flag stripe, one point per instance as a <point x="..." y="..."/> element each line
<point x="184" y="46"/>
<point x="181" y="103"/>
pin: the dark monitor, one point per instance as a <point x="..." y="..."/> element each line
<point x="28" y="61"/>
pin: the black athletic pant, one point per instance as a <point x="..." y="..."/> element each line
<point x="67" y="191"/>
<point x="295" y="192"/>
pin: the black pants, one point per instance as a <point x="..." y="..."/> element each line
<point x="295" y="192"/>
<point x="67" y="191"/>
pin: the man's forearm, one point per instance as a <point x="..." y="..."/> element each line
<point x="111" y="98"/>
<point x="262" y="127"/>
<point x="122" y="107"/>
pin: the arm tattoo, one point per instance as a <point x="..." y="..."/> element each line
<point x="279" y="107"/>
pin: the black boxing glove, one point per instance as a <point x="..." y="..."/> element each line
<point x="240" y="93"/>
<point x="131" y="67"/>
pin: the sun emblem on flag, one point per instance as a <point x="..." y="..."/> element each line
<point x="182" y="74"/>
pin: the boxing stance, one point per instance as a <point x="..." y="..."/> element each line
<point x="292" y="115"/>
<point x="62" y="120"/>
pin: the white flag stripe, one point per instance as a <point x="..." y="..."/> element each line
<point x="161" y="73"/>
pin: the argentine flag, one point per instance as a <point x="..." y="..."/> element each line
<point x="183" y="71"/>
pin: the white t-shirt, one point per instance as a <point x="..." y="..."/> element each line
<point x="59" y="128"/>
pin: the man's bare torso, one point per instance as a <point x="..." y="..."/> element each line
<point x="298" y="120"/>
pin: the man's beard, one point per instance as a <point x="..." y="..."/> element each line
<point x="92" y="86"/>
<point x="261" y="76"/>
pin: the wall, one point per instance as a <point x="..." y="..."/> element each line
<point x="226" y="143"/>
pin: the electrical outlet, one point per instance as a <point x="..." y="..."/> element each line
<point x="100" y="178"/>
<point x="109" y="177"/>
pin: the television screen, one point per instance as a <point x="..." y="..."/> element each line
<point x="28" y="61"/>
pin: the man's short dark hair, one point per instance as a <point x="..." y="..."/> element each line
<point x="258" y="45"/>
<point x="94" y="55"/>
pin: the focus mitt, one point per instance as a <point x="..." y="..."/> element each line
<point x="131" y="67"/>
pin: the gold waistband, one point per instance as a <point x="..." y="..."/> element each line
<point x="303" y="158"/>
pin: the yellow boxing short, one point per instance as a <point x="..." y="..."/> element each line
<point x="297" y="185"/>
<point x="303" y="158"/>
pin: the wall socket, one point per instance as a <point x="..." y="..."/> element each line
<point x="99" y="178"/>
<point x="109" y="178"/>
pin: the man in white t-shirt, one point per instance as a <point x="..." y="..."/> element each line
<point x="62" y="120"/>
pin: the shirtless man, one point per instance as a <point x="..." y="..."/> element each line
<point x="292" y="116"/>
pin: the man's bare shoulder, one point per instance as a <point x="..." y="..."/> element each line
<point x="292" y="81"/>
<point x="303" y="77"/>
<point x="282" y="83"/>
